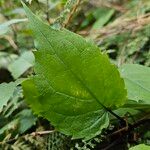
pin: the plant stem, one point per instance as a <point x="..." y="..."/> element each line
<point x="72" y="12"/>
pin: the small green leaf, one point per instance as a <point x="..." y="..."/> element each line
<point x="6" y="92"/>
<point x="26" y="120"/>
<point x="102" y="15"/>
<point x="22" y="64"/>
<point x="140" y="147"/>
<point x="137" y="81"/>
<point x="74" y="82"/>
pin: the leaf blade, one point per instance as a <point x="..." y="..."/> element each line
<point x="6" y="92"/>
<point x="137" y="81"/>
<point x="22" y="64"/>
<point x="75" y="80"/>
<point x="140" y="147"/>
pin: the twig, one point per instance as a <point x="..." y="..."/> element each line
<point x="113" y="5"/>
<point x="112" y="144"/>
<point x="72" y="12"/>
<point x="66" y="15"/>
<point x="47" y="11"/>
<point x="139" y="123"/>
<point x="120" y="130"/>
<point x="122" y="25"/>
<point x="119" y="26"/>
<point x="130" y="128"/>
<point x="117" y="132"/>
<point x="32" y="134"/>
<point x="42" y="132"/>
<point x="11" y="41"/>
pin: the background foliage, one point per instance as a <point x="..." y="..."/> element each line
<point x="121" y="28"/>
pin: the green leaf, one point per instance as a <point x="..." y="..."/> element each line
<point x="4" y="27"/>
<point x="6" y="92"/>
<point x="74" y="82"/>
<point x="137" y="105"/>
<point x="22" y="64"/>
<point x="102" y="15"/>
<point x="14" y="103"/>
<point x="26" y="120"/>
<point x="140" y="147"/>
<point x="137" y="81"/>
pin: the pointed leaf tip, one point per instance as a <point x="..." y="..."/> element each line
<point x="27" y="10"/>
